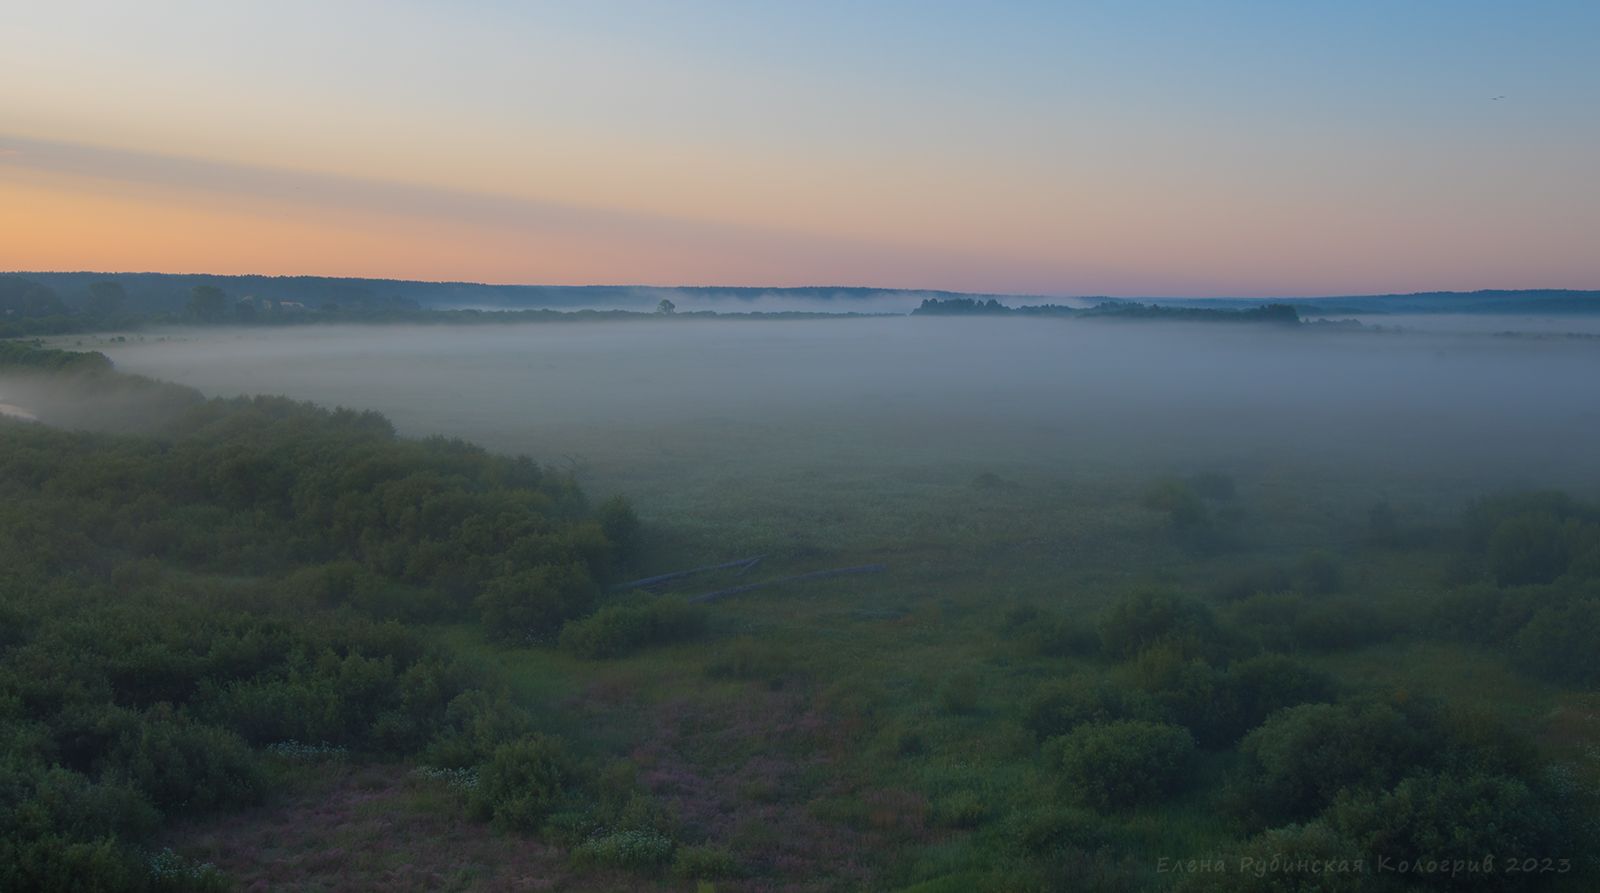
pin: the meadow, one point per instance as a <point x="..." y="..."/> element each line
<point x="1208" y="548"/>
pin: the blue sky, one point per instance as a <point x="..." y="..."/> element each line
<point x="1062" y="148"/>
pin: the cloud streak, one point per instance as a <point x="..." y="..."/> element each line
<point x="180" y="174"/>
<point x="773" y="254"/>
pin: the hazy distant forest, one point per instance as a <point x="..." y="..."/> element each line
<point x="35" y="304"/>
<point x="255" y="641"/>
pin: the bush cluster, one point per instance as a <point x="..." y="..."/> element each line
<point x="621" y="628"/>
<point x="1121" y="764"/>
<point x="1539" y="557"/>
<point x="178" y="608"/>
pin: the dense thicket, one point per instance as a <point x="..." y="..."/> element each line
<point x="174" y="607"/>
<point x="1533" y="560"/>
<point x="1322" y="780"/>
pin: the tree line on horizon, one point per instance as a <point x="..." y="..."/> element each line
<point x="1283" y="314"/>
<point x="30" y="309"/>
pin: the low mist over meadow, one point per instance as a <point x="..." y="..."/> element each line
<point x="764" y="435"/>
<point x="704" y="399"/>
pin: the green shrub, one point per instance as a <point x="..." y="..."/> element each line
<point x="1563" y="642"/>
<point x="1143" y="618"/>
<point x="475" y="724"/>
<point x="1053" y="829"/>
<point x="185" y="767"/>
<point x="1529" y="548"/>
<point x="1532" y="538"/>
<point x="619" y="629"/>
<point x="44" y="801"/>
<point x="535" y="603"/>
<point x="53" y="863"/>
<point x="1219" y="706"/>
<point x="621" y="527"/>
<point x="1260" y="686"/>
<point x="1481" y="518"/>
<point x="1484" y="613"/>
<point x="1120" y="765"/>
<point x="628" y="850"/>
<point x="1185" y="690"/>
<point x="524" y="781"/>
<point x="350" y="699"/>
<point x="1302" y="758"/>
<point x="1455" y="819"/>
<point x="1059" y="707"/>
<point x="1049" y="634"/>
<point x="1585" y="565"/>
<point x="1473" y="741"/>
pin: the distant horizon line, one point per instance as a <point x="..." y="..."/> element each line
<point x="818" y="287"/>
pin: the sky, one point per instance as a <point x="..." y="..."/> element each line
<point x="1057" y="148"/>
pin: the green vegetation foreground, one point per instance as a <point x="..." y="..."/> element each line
<point x="178" y="609"/>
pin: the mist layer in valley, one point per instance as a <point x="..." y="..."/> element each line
<point x="692" y="417"/>
<point x="897" y="391"/>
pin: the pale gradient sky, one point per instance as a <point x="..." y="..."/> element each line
<point x="1059" y="148"/>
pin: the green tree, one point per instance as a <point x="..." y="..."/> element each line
<point x="1118" y="765"/>
<point x="537" y="601"/>
<point x="1529" y="548"/>
<point x="1302" y="758"/>
<point x="1563" y="642"/>
<point x="1263" y="685"/>
<point x="24" y="297"/>
<point x="208" y="303"/>
<point x="620" y="524"/>
<point x="1455" y="819"/>
<point x="666" y="307"/>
